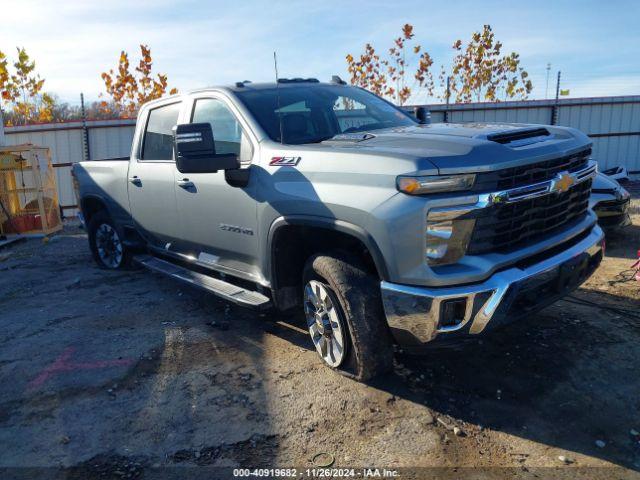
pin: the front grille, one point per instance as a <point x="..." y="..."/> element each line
<point x="529" y="174"/>
<point x="505" y="227"/>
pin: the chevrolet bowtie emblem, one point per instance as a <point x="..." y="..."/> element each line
<point x="563" y="182"/>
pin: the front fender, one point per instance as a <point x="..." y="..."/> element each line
<point x="330" y="224"/>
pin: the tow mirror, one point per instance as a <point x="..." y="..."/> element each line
<point x="195" y="150"/>
<point x="423" y="115"/>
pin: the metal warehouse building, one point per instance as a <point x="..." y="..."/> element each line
<point x="612" y="122"/>
<point x="107" y="139"/>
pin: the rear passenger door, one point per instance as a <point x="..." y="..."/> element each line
<point x="152" y="198"/>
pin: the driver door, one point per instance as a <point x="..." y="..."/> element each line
<point x="218" y="220"/>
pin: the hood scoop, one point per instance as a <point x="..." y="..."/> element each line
<point x="520" y="138"/>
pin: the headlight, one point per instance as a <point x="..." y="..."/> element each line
<point x="435" y="183"/>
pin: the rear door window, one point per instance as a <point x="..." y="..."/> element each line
<point x="157" y="143"/>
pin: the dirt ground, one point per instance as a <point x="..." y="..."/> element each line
<point x="126" y="374"/>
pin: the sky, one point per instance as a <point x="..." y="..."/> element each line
<point x="596" y="44"/>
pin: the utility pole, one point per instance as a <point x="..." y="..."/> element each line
<point x="1" y="128"/>
<point x="447" y="96"/>
<point x="546" y="90"/>
<point x="554" y="109"/>
<point x="85" y="131"/>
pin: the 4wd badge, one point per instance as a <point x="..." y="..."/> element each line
<point x="285" y="161"/>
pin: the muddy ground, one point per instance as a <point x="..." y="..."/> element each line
<point x="124" y="374"/>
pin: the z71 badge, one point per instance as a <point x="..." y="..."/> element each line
<point x="285" y="161"/>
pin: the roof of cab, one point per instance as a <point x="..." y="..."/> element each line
<point x="284" y="83"/>
<point x="244" y="86"/>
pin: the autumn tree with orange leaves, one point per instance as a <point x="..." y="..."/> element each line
<point x="480" y="72"/>
<point x="22" y="98"/>
<point x="128" y="91"/>
<point x="393" y="75"/>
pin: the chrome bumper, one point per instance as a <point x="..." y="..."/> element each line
<point x="414" y="313"/>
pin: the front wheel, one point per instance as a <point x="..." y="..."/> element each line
<point x="345" y="317"/>
<point x="106" y="246"/>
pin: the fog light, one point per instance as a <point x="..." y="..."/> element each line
<point x="452" y="312"/>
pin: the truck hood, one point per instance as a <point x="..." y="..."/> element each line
<point x="467" y="147"/>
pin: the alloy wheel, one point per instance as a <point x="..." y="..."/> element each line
<point x="109" y="246"/>
<point x="326" y="326"/>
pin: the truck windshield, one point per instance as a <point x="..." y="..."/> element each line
<point x="312" y="114"/>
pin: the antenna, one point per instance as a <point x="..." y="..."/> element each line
<point x="275" y="66"/>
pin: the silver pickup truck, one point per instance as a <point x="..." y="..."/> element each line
<point x="326" y="197"/>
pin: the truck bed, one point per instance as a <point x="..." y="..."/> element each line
<point x="105" y="180"/>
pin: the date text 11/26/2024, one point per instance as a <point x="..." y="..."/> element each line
<point x="316" y="473"/>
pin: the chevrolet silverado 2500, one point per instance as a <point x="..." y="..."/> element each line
<point x="327" y="198"/>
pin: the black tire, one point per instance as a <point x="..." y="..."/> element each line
<point x="368" y="347"/>
<point x="102" y="220"/>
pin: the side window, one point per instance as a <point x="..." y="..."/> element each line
<point x="297" y="122"/>
<point x="157" y="143"/>
<point x="228" y="136"/>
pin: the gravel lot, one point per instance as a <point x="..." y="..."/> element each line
<point x="124" y="374"/>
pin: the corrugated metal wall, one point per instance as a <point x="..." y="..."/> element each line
<point x="110" y="142"/>
<point x="612" y="122"/>
<point x="107" y="139"/>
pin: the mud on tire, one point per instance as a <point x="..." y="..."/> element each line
<point x="369" y="347"/>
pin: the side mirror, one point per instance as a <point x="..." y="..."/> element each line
<point x="423" y="115"/>
<point x="195" y="150"/>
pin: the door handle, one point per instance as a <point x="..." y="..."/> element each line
<point x="185" y="183"/>
<point x="135" y="180"/>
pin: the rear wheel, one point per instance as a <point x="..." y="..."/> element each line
<point x="106" y="246"/>
<point x="345" y="317"/>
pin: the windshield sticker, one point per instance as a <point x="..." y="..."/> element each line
<point x="285" y="161"/>
<point x="352" y="137"/>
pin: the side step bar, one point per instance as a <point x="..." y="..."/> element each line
<point x="228" y="291"/>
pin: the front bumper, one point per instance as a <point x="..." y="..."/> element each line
<point x="415" y="314"/>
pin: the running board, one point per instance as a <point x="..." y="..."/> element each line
<point x="225" y="290"/>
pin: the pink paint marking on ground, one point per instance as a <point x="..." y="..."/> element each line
<point x="63" y="364"/>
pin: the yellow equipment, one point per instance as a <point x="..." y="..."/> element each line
<point x="28" y="193"/>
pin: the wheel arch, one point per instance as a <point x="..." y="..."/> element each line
<point x="300" y="234"/>
<point x="92" y="204"/>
